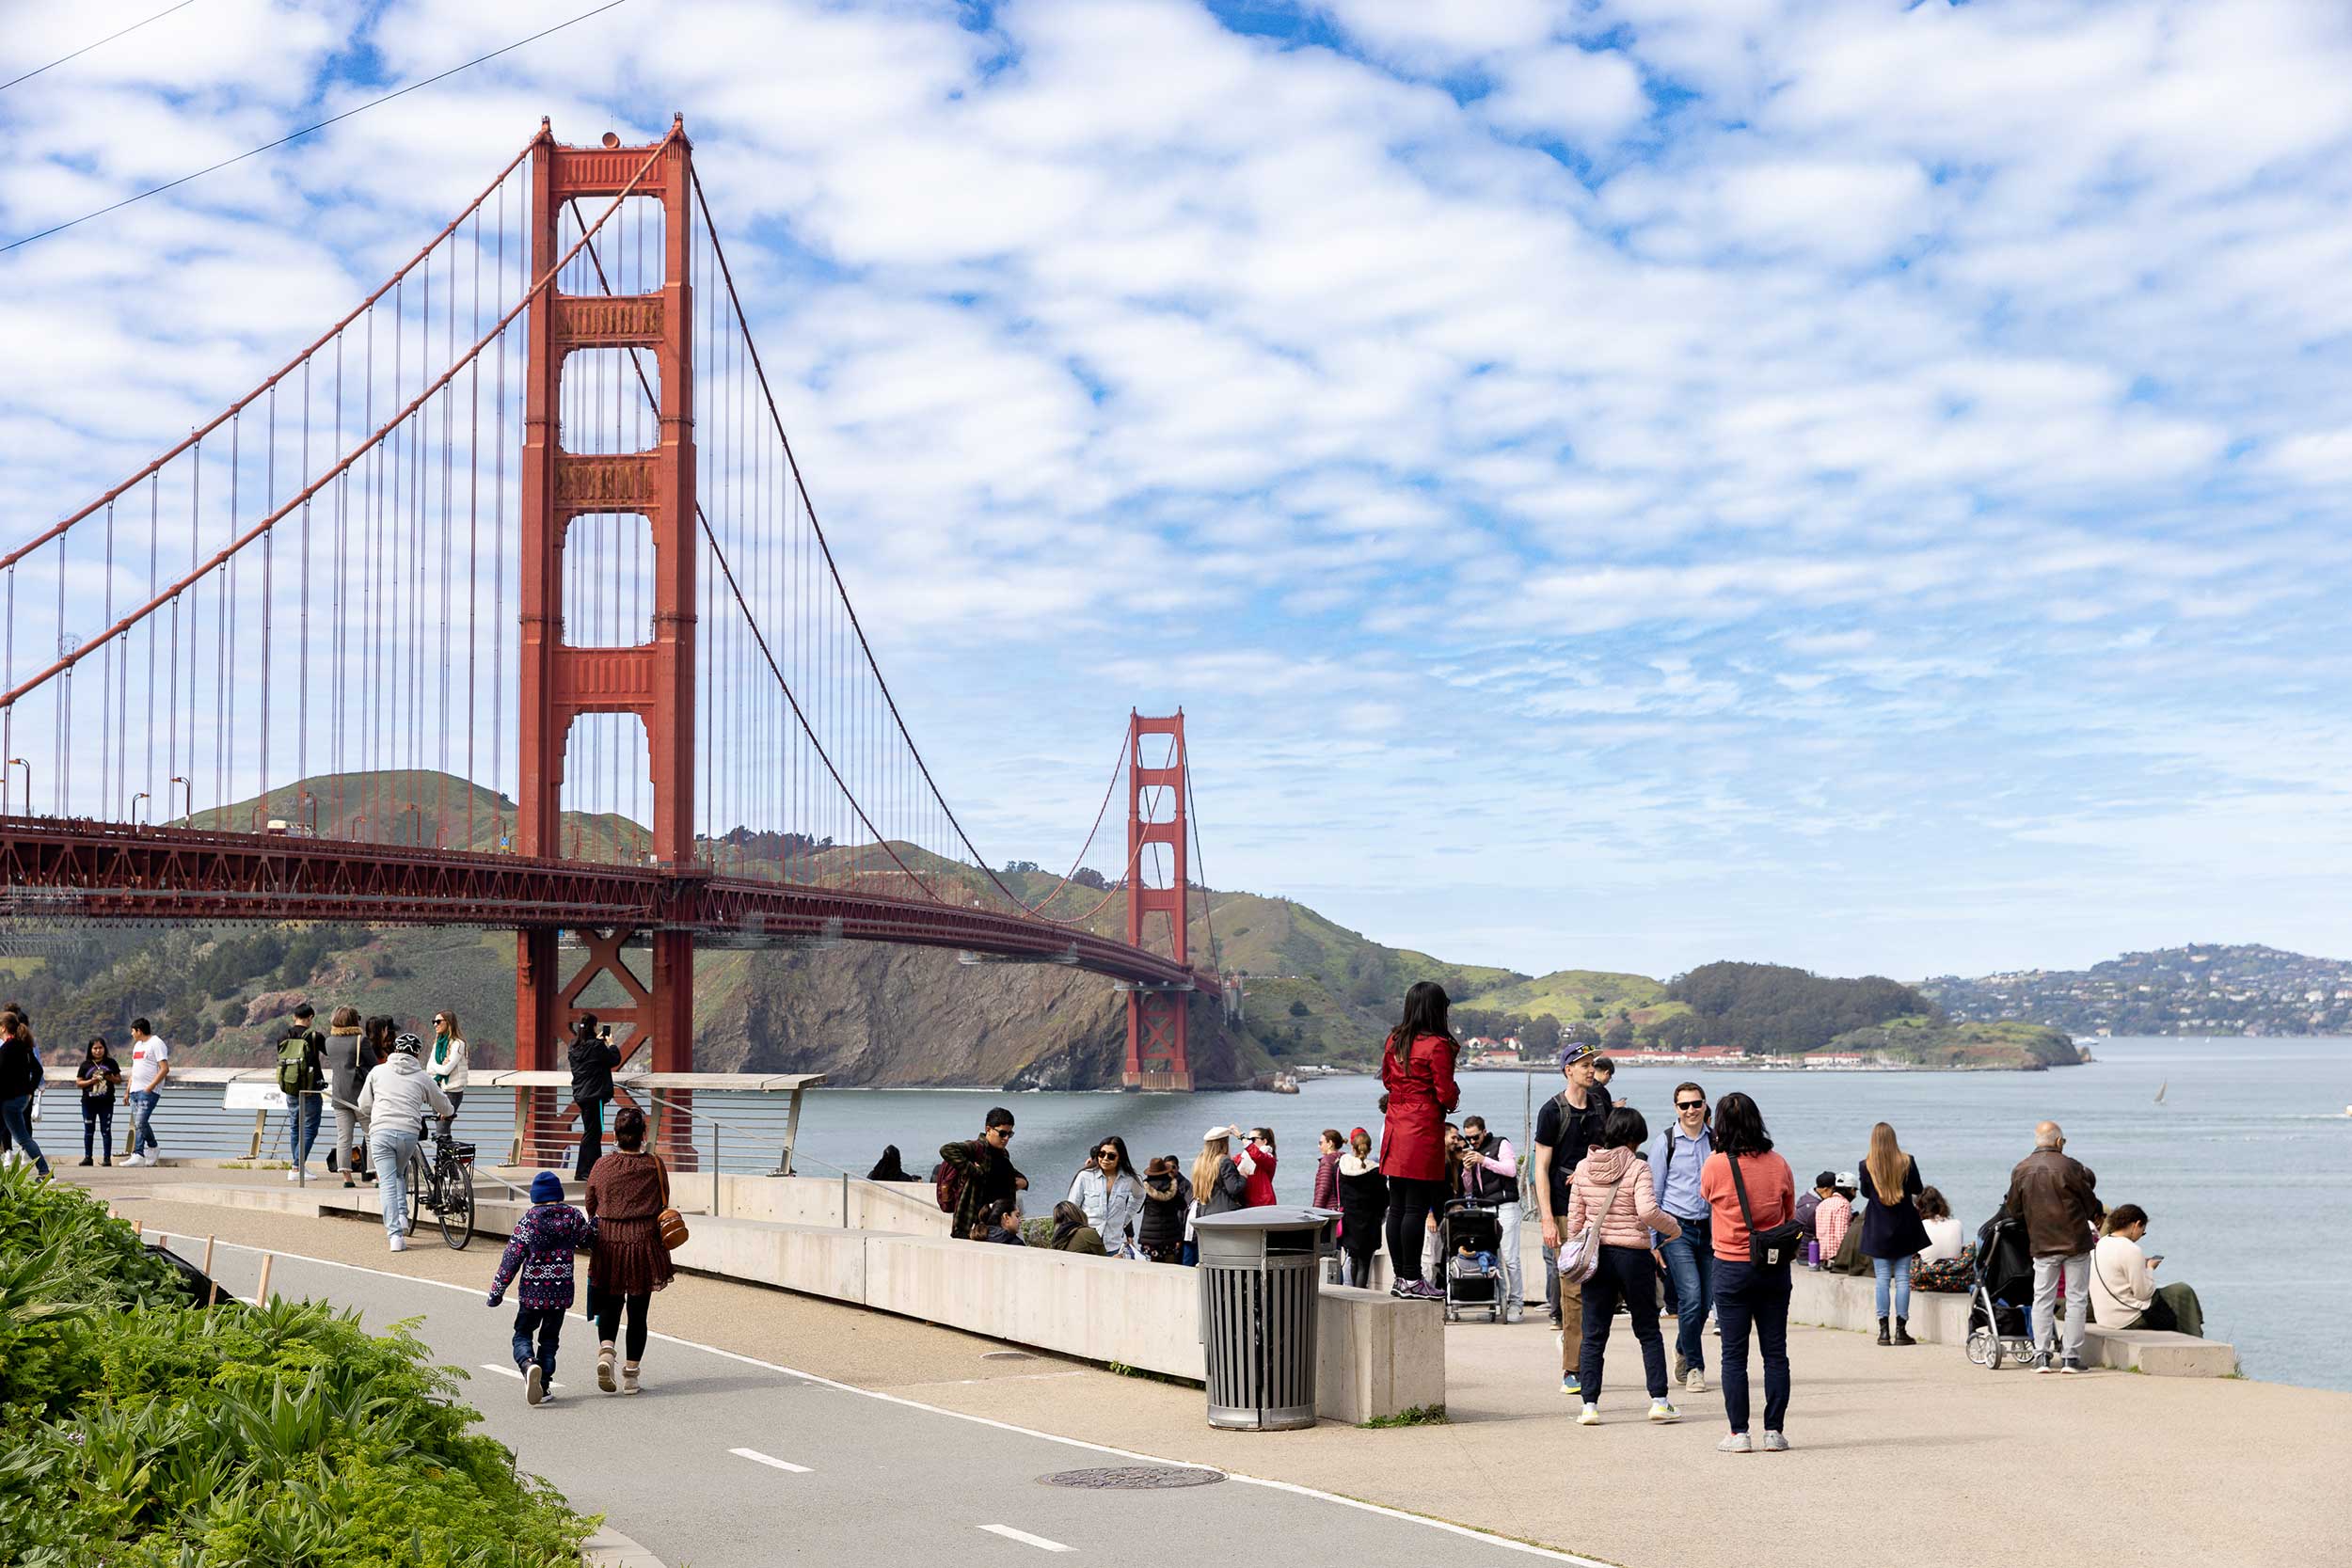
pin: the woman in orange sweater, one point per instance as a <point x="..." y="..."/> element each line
<point x="1613" y="1184"/>
<point x="1749" y="1297"/>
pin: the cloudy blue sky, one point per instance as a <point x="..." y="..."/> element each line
<point x="1617" y="484"/>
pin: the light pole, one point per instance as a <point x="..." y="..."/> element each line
<point x="20" y="762"/>
<point x="190" y="817"/>
<point x="142" y="794"/>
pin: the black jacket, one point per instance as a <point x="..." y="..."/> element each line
<point x="1162" y="1226"/>
<point x="592" y="1061"/>
<point x="1363" y="1205"/>
<point x="1891" y="1227"/>
<point x="20" y="1068"/>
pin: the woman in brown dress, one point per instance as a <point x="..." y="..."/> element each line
<point x="626" y="1193"/>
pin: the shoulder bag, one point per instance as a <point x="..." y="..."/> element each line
<point x="672" y="1223"/>
<point x="1775" y="1248"/>
<point x="1580" y="1254"/>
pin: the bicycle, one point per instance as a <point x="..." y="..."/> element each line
<point x="445" y="1185"/>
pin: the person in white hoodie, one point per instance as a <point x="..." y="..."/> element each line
<point x="392" y="1104"/>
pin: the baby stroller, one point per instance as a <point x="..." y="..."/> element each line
<point x="2000" y="1320"/>
<point x="1468" y="1286"/>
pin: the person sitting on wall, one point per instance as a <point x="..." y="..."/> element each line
<point x="2123" y="1290"/>
<point x="1000" y="1222"/>
<point x="1947" y="1262"/>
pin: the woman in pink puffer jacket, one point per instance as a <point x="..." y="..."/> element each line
<point x="1612" y="1183"/>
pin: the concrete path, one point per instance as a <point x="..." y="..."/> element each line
<point x="727" y="1461"/>
<point x="2111" y="1468"/>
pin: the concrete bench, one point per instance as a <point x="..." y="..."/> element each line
<point x="1940" y="1317"/>
<point x="1377" y="1356"/>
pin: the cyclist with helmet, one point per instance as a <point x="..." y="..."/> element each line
<point x="392" y="1104"/>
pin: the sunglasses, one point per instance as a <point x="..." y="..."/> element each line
<point x="1690" y="1104"/>
<point x="1107" y="1154"/>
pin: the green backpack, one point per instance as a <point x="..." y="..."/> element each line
<point x="294" y="1057"/>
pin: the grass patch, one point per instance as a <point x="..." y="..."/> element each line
<point x="144" y="1432"/>
<point x="1147" y="1375"/>
<point x="1419" y="1416"/>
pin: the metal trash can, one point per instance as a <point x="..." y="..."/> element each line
<point x="1258" y="1309"/>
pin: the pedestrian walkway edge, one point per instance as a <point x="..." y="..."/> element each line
<point x="610" y="1549"/>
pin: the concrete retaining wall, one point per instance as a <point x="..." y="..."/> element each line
<point x="1940" y="1317"/>
<point x="1376" y="1355"/>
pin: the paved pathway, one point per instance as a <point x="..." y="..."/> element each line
<point x="724" y="1462"/>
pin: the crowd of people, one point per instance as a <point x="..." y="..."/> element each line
<point x="1702" y="1218"/>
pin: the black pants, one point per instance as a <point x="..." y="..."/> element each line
<point x="1628" y="1275"/>
<point x="609" y="1319"/>
<point x="1410" y="1204"/>
<point x="1359" y="1264"/>
<point x="591" y="1138"/>
<point x="98" y="1125"/>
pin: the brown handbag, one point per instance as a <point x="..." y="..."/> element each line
<point x="672" y="1223"/>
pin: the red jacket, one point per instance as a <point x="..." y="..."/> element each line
<point x="1421" y="1092"/>
<point x="1258" y="1185"/>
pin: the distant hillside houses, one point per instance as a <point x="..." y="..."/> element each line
<point x="2197" y="990"/>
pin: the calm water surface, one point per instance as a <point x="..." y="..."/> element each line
<point x="2246" y="1169"/>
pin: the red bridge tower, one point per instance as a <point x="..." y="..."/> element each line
<point x="1156" y="1015"/>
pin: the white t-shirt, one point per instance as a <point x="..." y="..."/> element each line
<point x="146" y="1060"/>
<point x="1943" y="1241"/>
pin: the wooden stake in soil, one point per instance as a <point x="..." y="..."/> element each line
<point x="261" y="1291"/>
<point x="212" y="1287"/>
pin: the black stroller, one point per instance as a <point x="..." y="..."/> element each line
<point x="1468" y="1286"/>
<point x="2000" y="1310"/>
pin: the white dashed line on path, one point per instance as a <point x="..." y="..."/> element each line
<point x="509" y="1372"/>
<point x="1026" y="1539"/>
<point x="769" y="1460"/>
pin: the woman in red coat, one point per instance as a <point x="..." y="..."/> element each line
<point x="1417" y="1069"/>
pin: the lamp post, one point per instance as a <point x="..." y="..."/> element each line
<point x="190" y="817"/>
<point x="20" y="762"/>
<point x="142" y="794"/>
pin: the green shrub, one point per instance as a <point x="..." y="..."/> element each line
<point x="147" y="1433"/>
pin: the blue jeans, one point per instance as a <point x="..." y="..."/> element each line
<point x="1690" y="1264"/>
<point x="306" y="1125"/>
<point x="142" y="1110"/>
<point x="98" y="1127"/>
<point x="391" y="1149"/>
<point x="548" y="1323"/>
<point x="1749" y="1298"/>
<point x="1898" y="1270"/>
<point x="16" y="1114"/>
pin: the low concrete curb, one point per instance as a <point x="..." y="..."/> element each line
<point x="610" y="1549"/>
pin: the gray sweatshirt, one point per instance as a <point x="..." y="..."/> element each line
<point x="398" y="1092"/>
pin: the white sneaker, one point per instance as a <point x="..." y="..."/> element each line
<point x="534" y="1385"/>
<point x="134" y="1159"/>
<point x="1737" y="1442"/>
<point x="1591" y="1417"/>
<point x="400" y="1243"/>
<point x="1695" y="1380"/>
<point x="1775" y="1443"/>
<point x="1660" y="1410"/>
<point x="294" y="1175"/>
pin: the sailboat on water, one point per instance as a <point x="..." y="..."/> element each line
<point x="2160" y="1088"/>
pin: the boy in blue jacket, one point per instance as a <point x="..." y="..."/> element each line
<point x="545" y="1239"/>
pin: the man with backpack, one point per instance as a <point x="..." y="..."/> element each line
<point x="302" y="1076"/>
<point x="1569" y="1126"/>
<point x="971" y="1175"/>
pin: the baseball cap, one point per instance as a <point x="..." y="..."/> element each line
<point x="1570" y="1055"/>
<point x="1845" y="1179"/>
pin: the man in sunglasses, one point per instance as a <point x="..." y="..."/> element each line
<point x="988" y="1173"/>
<point x="1674" y="1157"/>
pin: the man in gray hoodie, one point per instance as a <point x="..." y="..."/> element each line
<point x="392" y="1103"/>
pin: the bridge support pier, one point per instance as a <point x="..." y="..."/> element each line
<point x="1158" y="1055"/>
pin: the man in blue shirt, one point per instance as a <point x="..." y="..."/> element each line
<point x="1674" y="1157"/>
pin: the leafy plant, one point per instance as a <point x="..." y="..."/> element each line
<point x="146" y="1431"/>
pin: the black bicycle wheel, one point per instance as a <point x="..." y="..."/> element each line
<point x="419" y="1174"/>
<point x="457" y="1209"/>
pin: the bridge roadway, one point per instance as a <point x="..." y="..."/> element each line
<point x="728" y="1462"/>
<point x="79" y="869"/>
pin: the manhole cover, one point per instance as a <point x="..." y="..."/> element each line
<point x="1135" y="1477"/>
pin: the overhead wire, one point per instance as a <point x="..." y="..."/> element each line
<point x="123" y="32"/>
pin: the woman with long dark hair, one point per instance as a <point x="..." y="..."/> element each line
<point x="99" y="1076"/>
<point x="1110" y="1194"/>
<point x="1749" y="1297"/>
<point x="1363" y="1205"/>
<point x="1417" y="1069"/>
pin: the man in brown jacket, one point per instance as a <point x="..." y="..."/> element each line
<point x="2057" y="1199"/>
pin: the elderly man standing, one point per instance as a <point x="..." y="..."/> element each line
<point x="2056" y="1197"/>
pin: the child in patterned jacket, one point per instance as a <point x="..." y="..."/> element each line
<point x="549" y="1231"/>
